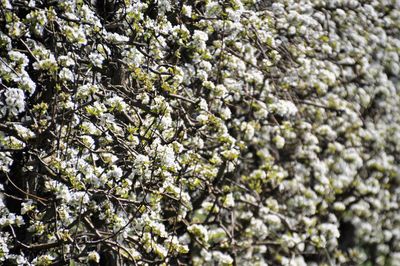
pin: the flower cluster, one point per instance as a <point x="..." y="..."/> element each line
<point x="235" y="132"/>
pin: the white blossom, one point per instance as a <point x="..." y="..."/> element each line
<point x="14" y="102"/>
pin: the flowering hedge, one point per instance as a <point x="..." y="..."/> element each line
<point x="199" y="132"/>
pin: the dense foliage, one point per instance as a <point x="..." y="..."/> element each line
<point x="200" y="132"/>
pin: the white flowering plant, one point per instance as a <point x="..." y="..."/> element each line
<point x="199" y="132"/>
